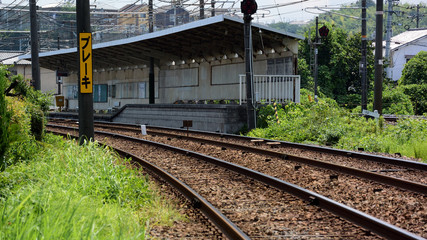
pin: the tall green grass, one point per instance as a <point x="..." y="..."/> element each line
<point x="68" y="191"/>
<point x="325" y="123"/>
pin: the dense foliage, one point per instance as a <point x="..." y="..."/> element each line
<point x="418" y="95"/>
<point x="55" y="189"/>
<point x="5" y="115"/>
<point x="396" y="102"/>
<point x="326" y="123"/>
<point x="338" y="65"/>
<point x="67" y="191"/>
<point x="23" y="120"/>
<point x="413" y="82"/>
<point x="415" y="70"/>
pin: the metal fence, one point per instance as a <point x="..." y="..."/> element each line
<point x="272" y="88"/>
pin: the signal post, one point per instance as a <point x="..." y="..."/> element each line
<point x="84" y="35"/>
<point x="248" y="8"/>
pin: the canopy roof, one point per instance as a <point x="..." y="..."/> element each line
<point x="204" y="40"/>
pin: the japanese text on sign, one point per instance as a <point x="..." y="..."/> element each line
<point x="85" y="49"/>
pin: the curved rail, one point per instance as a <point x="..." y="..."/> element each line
<point x="364" y="220"/>
<point x="391" y="181"/>
<point x="365" y="156"/>
<point x="222" y="222"/>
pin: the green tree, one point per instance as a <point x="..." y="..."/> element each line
<point x="418" y="95"/>
<point x="338" y="63"/>
<point x="5" y="115"/>
<point x="415" y="70"/>
<point x="414" y="82"/>
<point x="395" y="101"/>
<point x="288" y="27"/>
<point x="305" y="73"/>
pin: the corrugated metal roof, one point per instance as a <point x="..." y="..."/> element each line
<point x="213" y="36"/>
<point x="407" y="37"/>
<point x="11" y="58"/>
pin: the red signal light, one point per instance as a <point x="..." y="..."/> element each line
<point x="248" y="6"/>
<point x="323" y="31"/>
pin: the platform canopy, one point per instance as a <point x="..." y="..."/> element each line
<point x="204" y="40"/>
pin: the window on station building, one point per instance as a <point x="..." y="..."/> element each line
<point x="280" y="66"/>
<point x="142" y="90"/>
<point x="132" y="90"/>
<point x="127" y="90"/>
<point x="112" y="91"/>
<point x="72" y="91"/>
<point x="100" y="93"/>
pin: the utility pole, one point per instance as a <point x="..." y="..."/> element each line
<point x="388" y="29"/>
<point x="418" y="15"/>
<point x="151" y="90"/>
<point x="364" y="62"/>
<point x="202" y="9"/>
<point x="174" y="13"/>
<point x="213" y="8"/>
<point x="316" y="51"/>
<point x="84" y="42"/>
<point x="248" y="8"/>
<point x="378" y="84"/>
<point x="35" y="65"/>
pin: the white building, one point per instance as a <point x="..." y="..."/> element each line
<point x="23" y="67"/>
<point x="402" y="48"/>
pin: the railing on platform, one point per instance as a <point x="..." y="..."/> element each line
<point x="272" y="88"/>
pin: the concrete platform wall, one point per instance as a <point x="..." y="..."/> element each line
<point x="216" y="117"/>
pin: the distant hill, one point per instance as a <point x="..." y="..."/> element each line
<point x="404" y="16"/>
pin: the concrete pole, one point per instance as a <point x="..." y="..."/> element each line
<point x="251" y="113"/>
<point x="389" y="30"/>
<point x="363" y="62"/>
<point x="35" y="65"/>
<point x="86" y="129"/>
<point x="316" y="41"/>
<point x="418" y="16"/>
<point x="378" y="85"/>
<point x="151" y="80"/>
<point x="202" y="9"/>
<point x="213" y="8"/>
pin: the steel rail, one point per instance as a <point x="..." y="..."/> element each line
<point x="380" y="178"/>
<point x="222" y="222"/>
<point x="365" y="156"/>
<point x="364" y="220"/>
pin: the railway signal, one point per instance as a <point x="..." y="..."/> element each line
<point x="249" y="7"/>
<point x="323" y="31"/>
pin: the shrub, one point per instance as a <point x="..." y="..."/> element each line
<point x="69" y="191"/>
<point x="395" y="101"/>
<point x="22" y="118"/>
<point x="5" y="115"/>
<point x="418" y="95"/>
<point x="415" y="70"/>
<point x="325" y="123"/>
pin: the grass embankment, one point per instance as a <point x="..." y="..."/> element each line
<point x="325" y="123"/>
<point x="68" y="191"/>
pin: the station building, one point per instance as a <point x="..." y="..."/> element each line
<point x="198" y="62"/>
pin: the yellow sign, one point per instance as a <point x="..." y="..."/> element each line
<point x="85" y="49"/>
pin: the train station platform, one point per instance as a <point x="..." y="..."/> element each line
<point x="224" y="118"/>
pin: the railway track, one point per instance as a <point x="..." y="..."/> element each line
<point x="216" y="186"/>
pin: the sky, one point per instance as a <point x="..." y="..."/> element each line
<point x="296" y="10"/>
